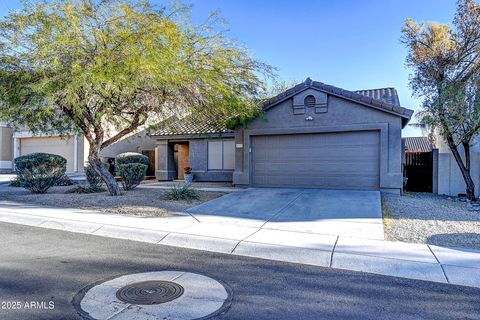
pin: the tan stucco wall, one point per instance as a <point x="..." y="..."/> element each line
<point x="6" y="149"/>
<point x="134" y="143"/>
<point x="450" y="179"/>
<point x="6" y="146"/>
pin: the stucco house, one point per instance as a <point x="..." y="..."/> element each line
<point x="313" y="135"/>
<point x="73" y="147"/>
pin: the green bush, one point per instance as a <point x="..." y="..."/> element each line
<point x="132" y="174"/>
<point x="38" y="172"/>
<point x="93" y="177"/>
<point x="15" y="183"/>
<point x="86" y="189"/>
<point x="64" y="181"/>
<point x="182" y="192"/>
<point x="131" y="157"/>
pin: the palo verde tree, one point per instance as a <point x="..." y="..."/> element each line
<point x="445" y="62"/>
<point x="107" y="68"/>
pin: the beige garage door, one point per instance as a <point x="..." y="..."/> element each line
<point x="347" y="160"/>
<point x="54" y="145"/>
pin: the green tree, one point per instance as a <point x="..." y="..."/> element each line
<point x="445" y="63"/>
<point x="108" y="68"/>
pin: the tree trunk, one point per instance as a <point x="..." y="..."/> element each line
<point x="464" y="168"/>
<point x="96" y="163"/>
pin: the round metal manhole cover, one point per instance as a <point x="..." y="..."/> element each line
<point x="150" y="292"/>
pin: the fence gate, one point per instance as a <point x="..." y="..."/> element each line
<point x="419" y="171"/>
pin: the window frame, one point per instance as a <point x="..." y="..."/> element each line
<point x="222" y="154"/>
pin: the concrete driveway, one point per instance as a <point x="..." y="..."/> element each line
<point x="331" y="212"/>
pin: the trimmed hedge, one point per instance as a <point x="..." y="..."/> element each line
<point x="38" y="172"/>
<point x="132" y="174"/>
<point x="131" y="157"/>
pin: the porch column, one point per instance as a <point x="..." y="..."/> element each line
<point x="435" y="171"/>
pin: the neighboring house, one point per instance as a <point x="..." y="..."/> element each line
<point x="6" y="148"/>
<point x="71" y="147"/>
<point x="74" y="148"/>
<point x="314" y="135"/>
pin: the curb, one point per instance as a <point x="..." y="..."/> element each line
<point x="405" y="260"/>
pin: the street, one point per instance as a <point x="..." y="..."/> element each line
<point x="49" y="267"/>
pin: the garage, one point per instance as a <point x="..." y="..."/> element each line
<point x="344" y="160"/>
<point x="54" y="145"/>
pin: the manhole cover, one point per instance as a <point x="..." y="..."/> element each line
<point x="150" y="292"/>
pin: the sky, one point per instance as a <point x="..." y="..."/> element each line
<point x="349" y="44"/>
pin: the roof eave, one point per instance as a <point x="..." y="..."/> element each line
<point x="194" y="136"/>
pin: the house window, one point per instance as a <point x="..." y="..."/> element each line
<point x="309" y="101"/>
<point x="221" y="155"/>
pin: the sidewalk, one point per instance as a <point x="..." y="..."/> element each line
<point x="414" y="261"/>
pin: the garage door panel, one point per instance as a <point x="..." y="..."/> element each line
<point x="348" y="160"/>
<point x="54" y="145"/>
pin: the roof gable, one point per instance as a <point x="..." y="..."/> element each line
<point x="363" y="99"/>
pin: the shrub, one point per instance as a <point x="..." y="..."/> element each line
<point x="182" y="192"/>
<point x="64" y="181"/>
<point x="131" y="157"/>
<point x="15" y="183"/>
<point x="38" y="172"/>
<point x="132" y="174"/>
<point x="86" y="189"/>
<point x="93" y="177"/>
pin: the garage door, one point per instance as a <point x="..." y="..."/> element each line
<point x="347" y="160"/>
<point x="54" y="145"/>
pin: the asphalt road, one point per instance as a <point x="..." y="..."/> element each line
<point x="48" y="266"/>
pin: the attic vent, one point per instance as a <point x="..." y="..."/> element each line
<point x="309" y="101"/>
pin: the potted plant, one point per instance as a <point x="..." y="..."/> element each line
<point x="188" y="175"/>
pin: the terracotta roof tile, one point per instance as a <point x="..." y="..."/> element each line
<point x="417" y="144"/>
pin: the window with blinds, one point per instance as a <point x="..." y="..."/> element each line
<point x="221" y="155"/>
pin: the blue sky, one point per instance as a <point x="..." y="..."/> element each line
<point x="350" y="44"/>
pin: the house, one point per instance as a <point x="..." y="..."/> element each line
<point x="313" y="135"/>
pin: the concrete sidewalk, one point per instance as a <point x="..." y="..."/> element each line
<point x="414" y="261"/>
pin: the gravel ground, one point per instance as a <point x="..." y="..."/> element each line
<point x="432" y="219"/>
<point x="138" y="202"/>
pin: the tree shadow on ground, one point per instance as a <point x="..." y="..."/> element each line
<point x="460" y="240"/>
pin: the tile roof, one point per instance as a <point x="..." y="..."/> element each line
<point x="388" y="95"/>
<point x="417" y="144"/>
<point x="191" y="126"/>
<point x="384" y="99"/>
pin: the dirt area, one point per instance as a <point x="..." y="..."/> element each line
<point x="432" y="219"/>
<point x="138" y="202"/>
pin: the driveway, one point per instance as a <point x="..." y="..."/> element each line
<point x="332" y="212"/>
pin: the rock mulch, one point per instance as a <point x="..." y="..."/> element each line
<point x="432" y="219"/>
<point x="138" y="202"/>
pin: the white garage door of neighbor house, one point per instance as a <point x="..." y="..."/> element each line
<point x="54" y="145"/>
<point x="345" y="160"/>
